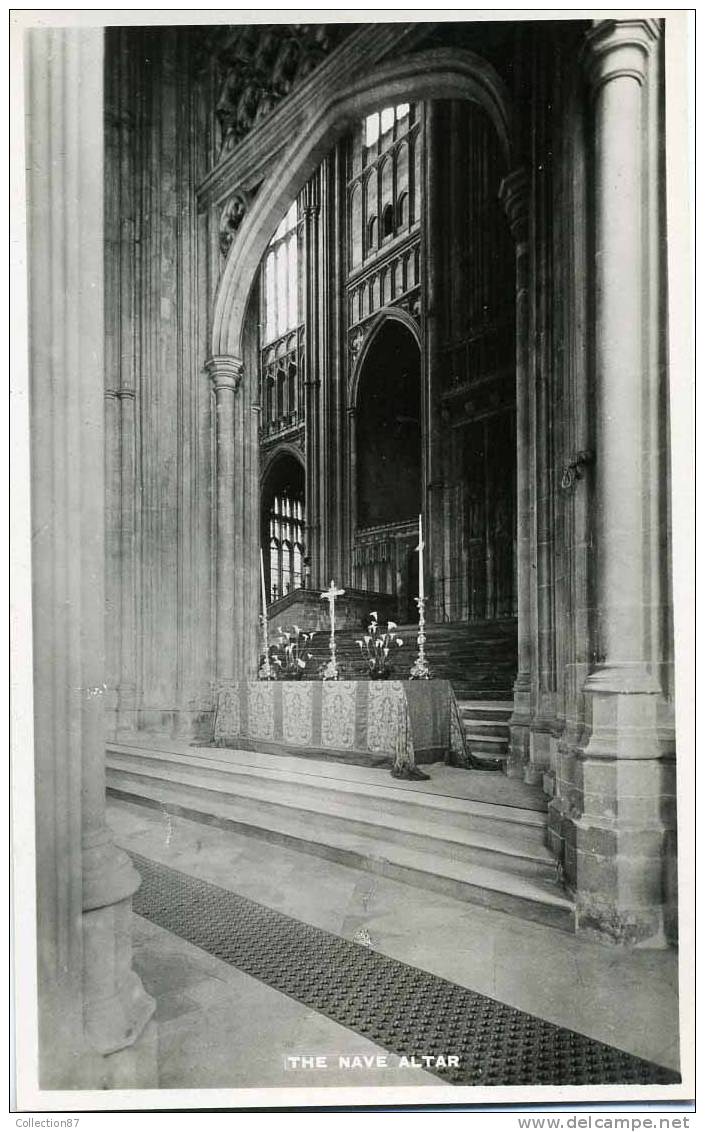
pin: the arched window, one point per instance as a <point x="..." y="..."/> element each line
<point x="291" y="391"/>
<point x="403" y="211"/>
<point x="274" y="559"/>
<point x="271" y="403"/>
<point x="386" y="175"/>
<point x="270" y="297"/>
<point x="298" y="565"/>
<point x="372" y="234"/>
<point x="286" y="544"/>
<point x="287" y="567"/>
<point x="281" y="380"/>
<point x="356" y="227"/>
<point x="280" y="313"/>
<point x="387" y="221"/>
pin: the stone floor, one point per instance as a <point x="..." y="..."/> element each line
<point x="221" y="1028"/>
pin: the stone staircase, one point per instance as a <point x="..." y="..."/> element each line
<point x="486" y="726"/>
<point x="477" y="837"/>
<point x="479" y="658"/>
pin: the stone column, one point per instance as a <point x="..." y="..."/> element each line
<point x="514" y="195"/>
<point x="93" y="1012"/>
<point x="432" y="450"/>
<point x="310" y="198"/>
<point x="127" y="690"/>
<point x="615" y="849"/>
<point x="226" y="374"/>
<point x="352" y="483"/>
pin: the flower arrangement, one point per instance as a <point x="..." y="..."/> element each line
<point x="376" y="646"/>
<point x="288" y="655"/>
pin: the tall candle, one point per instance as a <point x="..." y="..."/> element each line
<point x="264" y="588"/>
<point x="421" y="589"/>
<point x="332" y="609"/>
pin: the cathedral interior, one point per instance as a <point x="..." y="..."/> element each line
<point x="378" y="311"/>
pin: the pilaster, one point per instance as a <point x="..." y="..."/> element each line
<point x="514" y="195"/>
<point x="310" y="199"/>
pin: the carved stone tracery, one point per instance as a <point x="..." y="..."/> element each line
<point x="258" y="66"/>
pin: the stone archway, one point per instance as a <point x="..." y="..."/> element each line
<point x="387" y="486"/>
<point x="427" y="75"/>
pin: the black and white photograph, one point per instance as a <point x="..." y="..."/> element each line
<point x="352" y="518"/>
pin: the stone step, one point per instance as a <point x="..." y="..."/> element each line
<point x="493" y="745"/>
<point x="514" y="848"/>
<point x="484" y="727"/>
<point x="486" y="709"/>
<point x="478" y="658"/>
<point x="462" y="792"/>
<point x="484" y="852"/>
<point x="526" y="897"/>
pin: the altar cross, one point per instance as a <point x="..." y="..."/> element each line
<point x="329" y="595"/>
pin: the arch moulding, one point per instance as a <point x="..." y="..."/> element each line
<point x="281" y="450"/>
<point x="374" y="327"/>
<point x="432" y="74"/>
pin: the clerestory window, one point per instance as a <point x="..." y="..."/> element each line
<point x="281" y="279"/>
<point x="281" y="346"/>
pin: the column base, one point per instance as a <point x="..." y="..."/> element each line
<point x="108" y="873"/>
<point x="618" y="852"/>
<point x="542" y="746"/>
<point x="116" y="1008"/>
<point x="135" y="1067"/>
<point x="519" y="729"/>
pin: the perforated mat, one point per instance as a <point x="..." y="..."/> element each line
<point x="400" y="1008"/>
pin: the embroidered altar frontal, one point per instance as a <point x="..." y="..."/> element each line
<point x="375" y="722"/>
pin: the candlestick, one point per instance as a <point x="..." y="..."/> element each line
<point x="265" y="672"/>
<point x="264" y="588"/>
<point x="420" y="669"/>
<point x="420" y="550"/>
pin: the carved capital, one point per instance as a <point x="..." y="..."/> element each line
<point x="225" y="372"/>
<point x="310" y="197"/>
<point x="619" y="49"/>
<point x="514" y="198"/>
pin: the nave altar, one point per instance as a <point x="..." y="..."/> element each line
<point x="401" y="724"/>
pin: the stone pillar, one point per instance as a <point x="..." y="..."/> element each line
<point x="310" y="198"/>
<point x="352" y="485"/>
<point x="514" y="195"/>
<point x="127" y="690"/>
<point x="615" y="848"/>
<point x="432" y="437"/>
<point x="93" y="1012"/>
<point x="226" y="374"/>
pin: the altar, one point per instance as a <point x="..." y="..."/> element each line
<point x="400" y="724"/>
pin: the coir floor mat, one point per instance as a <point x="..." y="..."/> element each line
<point x="401" y="1008"/>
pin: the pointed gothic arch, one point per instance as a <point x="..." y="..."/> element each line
<point x="433" y="74"/>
